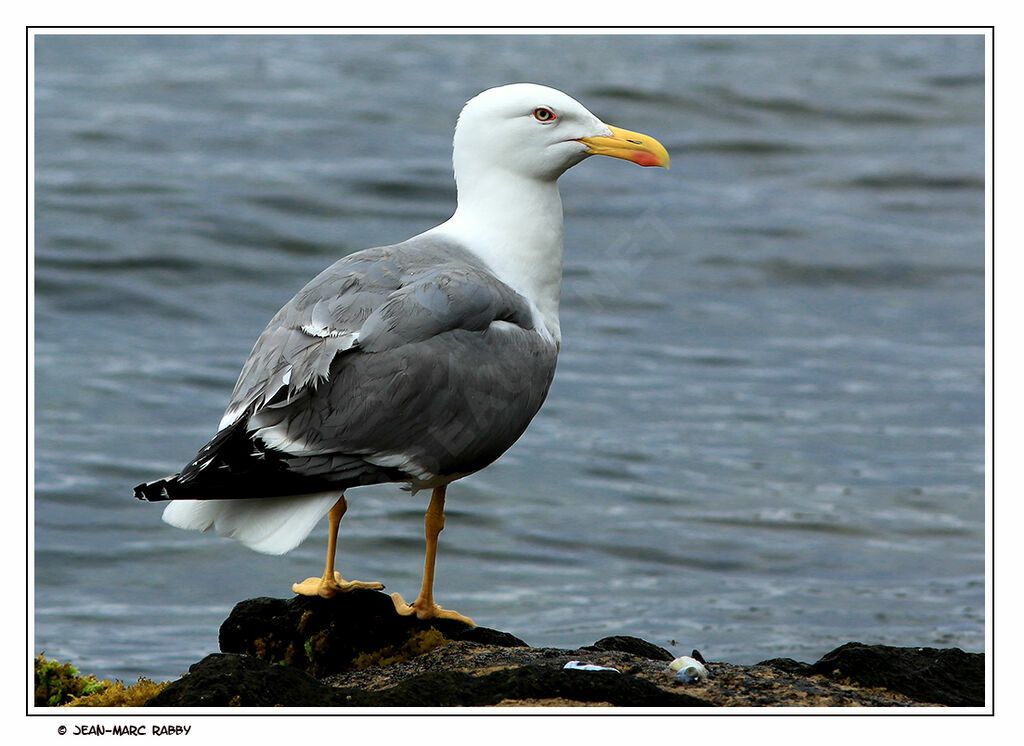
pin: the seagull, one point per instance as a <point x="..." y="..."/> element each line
<point x="417" y="363"/>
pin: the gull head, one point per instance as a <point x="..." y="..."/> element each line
<point x="538" y="132"/>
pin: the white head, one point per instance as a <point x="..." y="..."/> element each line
<point x="511" y="145"/>
<point x="539" y="132"/>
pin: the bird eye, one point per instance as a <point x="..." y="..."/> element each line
<point x="543" y="114"/>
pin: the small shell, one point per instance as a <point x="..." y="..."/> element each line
<point x="578" y="666"/>
<point x="689" y="670"/>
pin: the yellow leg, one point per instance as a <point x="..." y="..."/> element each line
<point x="331" y="583"/>
<point x="424" y="607"/>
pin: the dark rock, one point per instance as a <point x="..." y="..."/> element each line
<point x="947" y="677"/>
<point x="532" y="682"/>
<point x="354" y="650"/>
<point x="242" y="681"/>
<point x="488" y="636"/>
<point x="788" y="665"/>
<point x="323" y="636"/>
<point x="633" y="645"/>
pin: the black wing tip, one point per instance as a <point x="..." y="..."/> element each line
<point x="155" y="491"/>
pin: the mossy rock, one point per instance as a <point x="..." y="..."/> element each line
<point x="325" y="636"/>
<point x="61" y="685"/>
<point x="119" y="694"/>
<point x="58" y="683"/>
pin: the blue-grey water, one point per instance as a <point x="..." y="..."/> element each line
<point x="766" y="433"/>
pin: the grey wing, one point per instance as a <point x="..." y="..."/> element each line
<point x="407" y="363"/>
<point x="297" y="347"/>
<point x="444" y="377"/>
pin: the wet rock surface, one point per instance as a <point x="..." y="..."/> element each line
<point x="225" y="680"/>
<point x="220" y="680"/>
<point x="633" y="645"/>
<point x="322" y="636"/>
<point x="355" y="651"/>
<point x="943" y="676"/>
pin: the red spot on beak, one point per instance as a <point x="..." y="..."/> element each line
<point x="645" y="159"/>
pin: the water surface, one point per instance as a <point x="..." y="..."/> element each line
<point x="766" y="433"/>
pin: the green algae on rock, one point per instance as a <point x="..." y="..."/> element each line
<point x="322" y="636"/>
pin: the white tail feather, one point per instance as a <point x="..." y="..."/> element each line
<point x="272" y="525"/>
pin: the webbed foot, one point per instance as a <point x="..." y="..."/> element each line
<point x="429" y="610"/>
<point x="327" y="586"/>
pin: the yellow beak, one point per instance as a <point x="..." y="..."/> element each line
<point x="632" y="146"/>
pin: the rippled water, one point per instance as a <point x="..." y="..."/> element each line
<point x="766" y="434"/>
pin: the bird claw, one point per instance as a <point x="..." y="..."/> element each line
<point x="326" y="587"/>
<point x="425" y="611"/>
